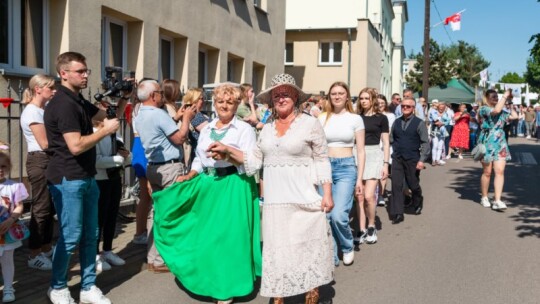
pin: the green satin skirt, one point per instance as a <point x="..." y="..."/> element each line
<point x="207" y="230"/>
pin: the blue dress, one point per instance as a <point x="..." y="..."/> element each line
<point x="492" y="134"/>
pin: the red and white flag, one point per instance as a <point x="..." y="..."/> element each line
<point x="455" y="21"/>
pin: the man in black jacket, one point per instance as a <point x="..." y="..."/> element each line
<point x="410" y="143"/>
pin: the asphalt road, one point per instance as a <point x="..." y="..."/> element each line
<point x="455" y="252"/>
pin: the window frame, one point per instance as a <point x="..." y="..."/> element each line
<point x="331" y="61"/>
<point x="14" y="65"/>
<point x="171" y="67"/>
<point x="289" y="63"/>
<point x="106" y="20"/>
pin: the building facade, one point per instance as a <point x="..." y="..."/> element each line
<point x="194" y="42"/>
<point x="347" y="40"/>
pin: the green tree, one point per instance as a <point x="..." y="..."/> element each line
<point x="532" y="74"/>
<point x="441" y="68"/>
<point x="469" y="61"/>
<point x="512" y="77"/>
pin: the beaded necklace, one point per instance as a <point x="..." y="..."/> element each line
<point x="215" y="136"/>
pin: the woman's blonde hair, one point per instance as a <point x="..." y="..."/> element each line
<point x="372" y="98"/>
<point x="228" y="90"/>
<point x="244" y="88"/>
<point x="38" y="80"/>
<point x="192" y="95"/>
<point x="329" y="107"/>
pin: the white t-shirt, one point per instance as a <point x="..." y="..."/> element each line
<point x="31" y="115"/>
<point x="340" y="128"/>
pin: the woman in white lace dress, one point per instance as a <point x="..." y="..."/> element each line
<point x="298" y="249"/>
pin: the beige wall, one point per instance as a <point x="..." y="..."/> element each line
<point x="365" y="61"/>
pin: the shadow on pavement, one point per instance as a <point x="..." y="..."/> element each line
<point x="521" y="189"/>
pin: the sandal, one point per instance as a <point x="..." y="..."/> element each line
<point x="312" y="297"/>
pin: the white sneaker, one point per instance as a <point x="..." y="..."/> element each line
<point x="60" y="296"/>
<point x="40" y="262"/>
<point x="442" y="163"/>
<point x="93" y="296"/>
<point x="371" y="237"/>
<point x="485" y="202"/>
<point x="448" y="156"/>
<point x="381" y="202"/>
<point x="498" y="205"/>
<point x="101" y="265"/>
<point x="112" y="258"/>
<point x="528" y="137"/>
<point x="348" y="258"/>
<point x="360" y="237"/>
<point x="141" y="239"/>
<point x="8" y="295"/>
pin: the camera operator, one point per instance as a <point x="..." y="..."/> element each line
<point x="70" y="175"/>
<point x="162" y="141"/>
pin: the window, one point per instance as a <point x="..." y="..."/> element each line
<point x="114" y="46"/>
<point x="166" y="58"/>
<point x="330" y="53"/>
<point x="289" y="53"/>
<point x="23" y="36"/>
<point x="203" y="59"/>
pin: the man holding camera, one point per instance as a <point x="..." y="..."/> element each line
<point x="70" y="174"/>
<point x="162" y="142"/>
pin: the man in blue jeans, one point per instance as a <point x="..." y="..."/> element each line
<point x="70" y="174"/>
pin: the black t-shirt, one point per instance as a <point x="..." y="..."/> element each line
<point x="68" y="112"/>
<point x="375" y="125"/>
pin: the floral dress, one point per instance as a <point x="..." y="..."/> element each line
<point x="492" y="134"/>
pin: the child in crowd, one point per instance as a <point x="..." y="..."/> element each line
<point x="11" y="196"/>
<point x="109" y="165"/>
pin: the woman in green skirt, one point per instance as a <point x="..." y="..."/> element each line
<point x="207" y="226"/>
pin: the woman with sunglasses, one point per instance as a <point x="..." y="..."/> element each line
<point x="497" y="153"/>
<point x="377" y="161"/>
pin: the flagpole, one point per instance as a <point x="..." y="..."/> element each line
<point x="425" y="70"/>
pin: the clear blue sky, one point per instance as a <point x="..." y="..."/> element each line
<point x="501" y="29"/>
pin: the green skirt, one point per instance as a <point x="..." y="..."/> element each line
<point x="208" y="232"/>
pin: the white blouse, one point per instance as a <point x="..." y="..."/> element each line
<point x="240" y="135"/>
<point x="293" y="163"/>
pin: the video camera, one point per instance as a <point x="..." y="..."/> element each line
<point x="114" y="83"/>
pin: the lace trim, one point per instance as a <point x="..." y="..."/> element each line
<point x="277" y="161"/>
<point x="250" y="168"/>
<point x="298" y="256"/>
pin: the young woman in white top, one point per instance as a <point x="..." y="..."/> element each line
<point x="376" y="167"/>
<point x="343" y="128"/>
<point x="40" y="90"/>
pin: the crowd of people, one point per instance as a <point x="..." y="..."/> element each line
<point x="286" y="170"/>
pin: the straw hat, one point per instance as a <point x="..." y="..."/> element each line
<point x="282" y="80"/>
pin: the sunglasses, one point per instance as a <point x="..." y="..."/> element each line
<point x="407" y="106"/>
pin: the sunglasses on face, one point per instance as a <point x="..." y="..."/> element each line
<point x="407" y="106"/>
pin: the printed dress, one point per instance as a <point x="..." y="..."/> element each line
<point x="492" y="134"/>
<point x="298" y="247"/>
<point x="460" y="134"/>
<point x="11" y="194"/>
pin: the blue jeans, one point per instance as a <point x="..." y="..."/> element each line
<point x="76" y="204"/>
<point x="344" y="174"/>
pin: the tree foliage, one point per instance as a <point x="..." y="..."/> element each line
<point x="512" y="77"/>
<point x="532" y="74"/>
<point x="469" y="61"/>
<point x="441" y="68"/>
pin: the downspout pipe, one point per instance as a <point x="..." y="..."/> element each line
<point x="349" y="58"/>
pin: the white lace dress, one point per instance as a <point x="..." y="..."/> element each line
<point x="298" y="250"/>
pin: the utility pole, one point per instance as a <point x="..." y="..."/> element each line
<point x="425" y="71"/>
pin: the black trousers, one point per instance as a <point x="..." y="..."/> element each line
<point x="109" y="203"/>
<point x="42" y="212"/>
<point x="404" y="171"/>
